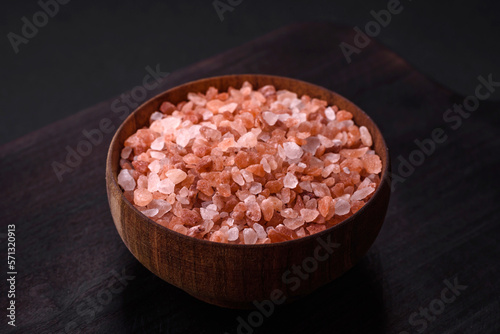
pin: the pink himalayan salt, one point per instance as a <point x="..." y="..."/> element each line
<point x="342" y="207"/>
<point x="249" y="236"/>
<point x="226" y="158"/>
<point x="142" y="197"/>
<point x="292" y="150"/>
<point x="309" y="215"/>
<point x="361" y="193"/>
<point x="290" y="181"/>
<point x="294" y="223"/>
<point x="233" y="234"/>
<point x="125" y="180"/>
<point x="366" y="137"/>
<point x="176" y="175"/>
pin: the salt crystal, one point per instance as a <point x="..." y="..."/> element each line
<point x="126" y="152"/>
<point x="290" y="181"/>
<point x="162" y="206"/>
<point x="142" y="197"/>
<point x="153" y="182"/>
<point x="265" y="165"/>
<point x="342" y="207"/>
<point x="301" y="165"/>
<point x="154" y="166"/>
<point x="327" y="171"/>
<point x="208" y="214"/>
<point x="361" y="193"/>
<point x="293" y="223"/>
<point x="230" y="221"/>
<point x="332" y="157"/>
<point x="125" y="180"/>
<point x="157" y="144"/>
<point x="308" y="214"/>
<point x="270" y="117"/>
<point x="325" y="141"/>
<point x="207" y="114"/>
<point x="259" y="229"/>
<point x="248" y="140"/>
<point x="306" y="185"/>
<point x="237" y="177"/>
<point x="150" y="212"/>
<point x="312" y="144"/>
<point x="289" y="213"/>
<point x="248" y="176"/>
<point x="249" y="236"/>
<point x="330" y="114"/>
<point x="176" y="175"/>
<point x="281" y="152"/>
<point x="255" y="188"/>
<point x="183" y="138"/>
<point x="366" y="137"/>
<point x="166" y="186"/>
<point x="227" y="143"/>
<point x="346" y="170"/>
<point x="253" y="211"/>
<point x="320" y="189"/>
<point x="233" y="234"/>
<point x="231" y="107"/>
<point x="292" y="150"/>
<point x="184" y="192"/>
<point x="157" y="155"/>
<point x="155" y="116"/>
<point x="170" y="123"/>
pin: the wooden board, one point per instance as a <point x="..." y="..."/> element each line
<point x="75" y="274"/>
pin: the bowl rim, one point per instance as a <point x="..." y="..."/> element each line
<point x="384" y="176"/>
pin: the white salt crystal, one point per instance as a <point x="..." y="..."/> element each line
<point x="290" y="181"/>
<point x="284" y="117"/>
<point x="233" y="233"/>
<point x="270" y="117"/>
<point x="162" y="206"/>
<point x="248" y="140"/>
<point x="342" y="207"/>
<point x="126" y="152"/>
<point x="155" y="116"/>
<point x="255" y="188"/>
<point x="158" y="144"/>
<point x="259" y="229"/>
<point x="292" y="150"/>
<point x="125" y="180"/>
<point x="366" y="137"/>
<point x="208" y="214"/>
<point x="301" y="165"/>
<point x="228" y="107"/>
<point x="362" y="193"/>
<point x="330" y="114"/>
<point x="150" y="212"/>
<point x="249" y="236"/>
<point x="346" y="170"/>
<point x="166" y="186"/>
<point x="153" y="182"/>
<point x="281" y="152"/>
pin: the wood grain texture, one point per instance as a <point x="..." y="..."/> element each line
<point x="442" y="221"/>
<point x="236" y="276"/>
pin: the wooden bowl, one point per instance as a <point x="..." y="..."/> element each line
<point x="236" y="276"/>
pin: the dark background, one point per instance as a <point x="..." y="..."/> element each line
<point x="91" y="51"/>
